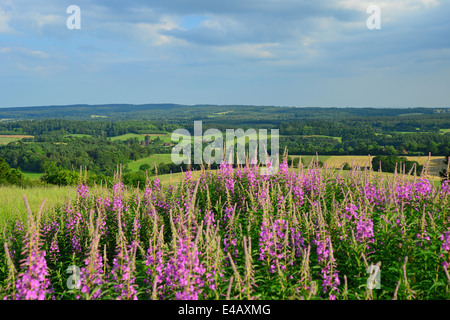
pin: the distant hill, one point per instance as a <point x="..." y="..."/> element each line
<point x="237" y="114"/>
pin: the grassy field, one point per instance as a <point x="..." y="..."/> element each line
<point x="308" y="158"/>
<point x="339" y="161"/>
<point x="442" y="131"/>
<point x="127" y="136"/>
<point x="163" y="137"/>
<point x="5" y="139"/>
<point x="151" y="160"/>
<point x="339" y="139"/>
<point x="435" y="162"/>
<point x="77" y="135"/>
<point x="12" y="204"/>
<point x="33" y="175"/>
<point x="174" y="178"/>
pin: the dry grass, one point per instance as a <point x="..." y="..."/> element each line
<point x="20" y="136"/>
<point x="353" y="161"/>
<point x="435" y="163"/>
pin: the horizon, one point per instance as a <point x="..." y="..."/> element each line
<point x="222" y="105"/>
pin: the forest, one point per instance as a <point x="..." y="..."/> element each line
<point x="115" y="135"/>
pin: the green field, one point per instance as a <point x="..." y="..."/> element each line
<point x="33" y="175"/>
<point x="77" y="135"/>
<point x="339" y="139"/>
<point x="13" y="205"/>
<point x="164" y="138"/>
<point x="127" y="136"/>
<point x="308" y="158"/>
<point x="151" y="160"/>
<point x="406" y="132"/>
<point x="11" y="198"/>
<point x="175" y="178"/>
<point x="6" y="140"/>
<point x="441" y="131"/>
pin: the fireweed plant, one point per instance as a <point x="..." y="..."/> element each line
<point x="303" y="233"/>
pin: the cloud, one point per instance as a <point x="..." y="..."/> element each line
<point x="4" y="22"/>
<point x="255" y="51"/>
<point x="25" y="52"/>
<point x="242" y="45"/>
<point x="154" y="33"/>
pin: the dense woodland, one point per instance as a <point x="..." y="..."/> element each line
<point x="57" y="144"/>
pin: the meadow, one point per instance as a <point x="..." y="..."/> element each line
<point x="307" y="233"/>
<point x="13" y="206"/>
<point x="154" y="159"/>
<point x="5" y="139"/>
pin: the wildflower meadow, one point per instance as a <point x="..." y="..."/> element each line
<point x="233" y="233"/>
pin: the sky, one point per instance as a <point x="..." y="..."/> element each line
<point x="229" y="52"/>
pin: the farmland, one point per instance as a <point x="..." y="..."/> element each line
<point x="5" y="139"/>
<point x="140" y="227"/>
<point x="152" y="160"/>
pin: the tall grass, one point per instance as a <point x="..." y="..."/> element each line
<point x="309" y="233"/>
<point x="12" y="204"/>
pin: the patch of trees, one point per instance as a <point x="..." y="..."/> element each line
<point x="445" y="173"/>
<point x="392" y="163"/>
<point x="96" y="128"/>
<point x="10" y="176"/>
<point x="99" y="155"/>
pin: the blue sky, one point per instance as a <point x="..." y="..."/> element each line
<point x="261" y="52"/>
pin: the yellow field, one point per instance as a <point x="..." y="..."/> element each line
<point x="353" y="161"/>
<point x="435" y="163"/>
<point x="423" y="160"/>
<point x="5" y="139"/>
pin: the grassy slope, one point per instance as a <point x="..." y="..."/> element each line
<point x="128" y="136"/>
<point x="12" y="203"/>
<point x="163" y="137"/>
<point x="307" y="158"/>
<point x="151" y="160"/>
<point x="6" y="140"/>
<point x="435" y="164"/>
<point x="33" y="175"/>
<point x="78" y="135"/>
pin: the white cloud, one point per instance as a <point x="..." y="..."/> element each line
<point x="44" y="69"/>
<point x="251" y="50"/>
<point x="25" y="51"/>
<point x="43" y="20"/>
<point x="4" y="22"/>
<point x="390" y="7"/>
<point x="5" y="50"/>
<point x="151" y="32"/>
<point x="32" y="69"/>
